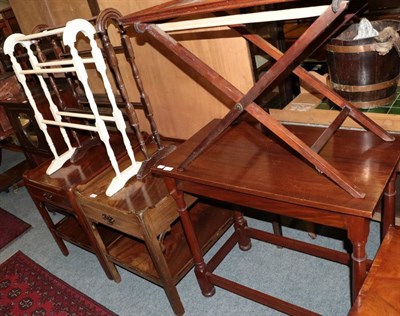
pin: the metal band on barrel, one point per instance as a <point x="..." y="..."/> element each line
<point x="350" y="49"/>
<point x="365" y="88"/>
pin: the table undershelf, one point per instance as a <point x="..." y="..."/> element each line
<point x="70" y="230"/>
<point x="130" y="253"/>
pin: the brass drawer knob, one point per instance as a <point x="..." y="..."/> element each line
<point x="47" y="196"/>
<point x="109" y="219"/>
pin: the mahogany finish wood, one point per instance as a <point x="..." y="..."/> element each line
<point x="104" y="19"/>
<point x="12" y="177"/>
<point x="151" y="240"/>
<point x="54" y="193"/>
<point x="319" y="31"/>
<point x="273" y="52"/>
<point x="380" y="293"/>
<point x="248" y="168"/>
<point x="32" y="141"/>
<point x="179" y="8"/>
<point x="6" y="129"/>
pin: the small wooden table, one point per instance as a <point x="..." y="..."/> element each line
<point x="54" y="193"/>
<point x="247" y="168"/>
<point x="151" y="241"/>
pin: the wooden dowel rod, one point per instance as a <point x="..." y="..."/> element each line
<point x="39" y="35"/>
<point x="86" y="116"/>
<point x="328" y="133"/>
<point x="71" y="125"/>
<point x="268" y="16"/>
<point x="63" y="62"/>
<point x="47" y="71"/>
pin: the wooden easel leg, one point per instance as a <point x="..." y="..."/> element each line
<point x="95" y="239"/>
<point x="286" y="64"/>
<point x="276" y="225"/>
<point x="101" y="251"/>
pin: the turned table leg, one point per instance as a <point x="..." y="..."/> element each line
<point x="357" y="232"/>
<point x="200" y="267"/>
<point x="389" y="200"/>
<point x="241" y="232"/>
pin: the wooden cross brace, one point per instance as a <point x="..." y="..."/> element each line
<point x="286" y="63"/>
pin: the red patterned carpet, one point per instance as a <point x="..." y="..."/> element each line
<point x="26" y="288"/>
<point x="10" y="227"/>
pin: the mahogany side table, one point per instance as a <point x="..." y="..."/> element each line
<point x="263" y="173"/>
<point x="54" y="193"/>
<point x="151" y="241"/>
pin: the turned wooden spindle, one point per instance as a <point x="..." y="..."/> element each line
<point x="104" y="18"/>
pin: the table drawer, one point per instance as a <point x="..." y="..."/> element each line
<point x="131" y="222"/>
<point x="56" y="198"/>
<point x="125" y="222"/>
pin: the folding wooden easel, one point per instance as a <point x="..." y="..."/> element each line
<point x="329" y="19"/>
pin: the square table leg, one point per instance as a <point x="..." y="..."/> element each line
<point x="156" y="254"/>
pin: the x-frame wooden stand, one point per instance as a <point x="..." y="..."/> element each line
<point x="332" y="18"/>
<point x="204" y="165"/>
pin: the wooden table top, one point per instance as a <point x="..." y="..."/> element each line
<point x="179" y="8"/>
<point x="246" y="161"/>
<point x="135" y="196"/>
<point x="94" y="161"/>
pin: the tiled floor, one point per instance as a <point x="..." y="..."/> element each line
<point x="393" y="108"/>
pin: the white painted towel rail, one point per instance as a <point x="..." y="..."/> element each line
<point x="77" y="65"/>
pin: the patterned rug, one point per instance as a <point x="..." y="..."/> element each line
<point x="26" y="288"/>
<point x="10" y="227"/>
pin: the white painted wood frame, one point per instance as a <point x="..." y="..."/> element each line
<point x="77" y="65"/>
<point x="257" y="17"/>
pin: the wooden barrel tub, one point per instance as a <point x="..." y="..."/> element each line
<point x="358" y="73"/>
